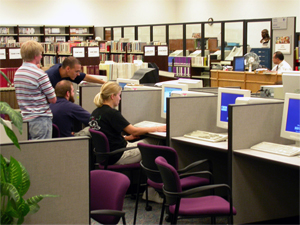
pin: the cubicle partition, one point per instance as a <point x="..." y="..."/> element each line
<point x="140" y="105"/>
<point x="59" y="167"/>
<point x="186" y="114"/>
<point x="24" y="136"/>
<point x="87" y="93"/>
<point x="265" y="186"/>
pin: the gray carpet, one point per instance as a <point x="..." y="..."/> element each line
<point x="152" y="217"/>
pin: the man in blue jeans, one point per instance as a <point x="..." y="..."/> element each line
<point x="34" y="92"/>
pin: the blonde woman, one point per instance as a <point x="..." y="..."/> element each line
<point x="111" y="122"/>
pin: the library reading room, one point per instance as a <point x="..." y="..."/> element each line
<point x="150" y="112"/>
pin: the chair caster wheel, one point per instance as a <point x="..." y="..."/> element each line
<point x="148" y="208"/>
<point x="168" y="218"/>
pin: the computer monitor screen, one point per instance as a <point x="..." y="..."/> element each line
<point x="290" y="125"/>
<point x="227" y="96"/>
<point x="166" y="92"/>
<point x="239" y="63"/>
<point x="123" y="82"/>
<point x="291" y="82"/>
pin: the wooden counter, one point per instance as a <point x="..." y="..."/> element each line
<point x="8" y="95"/>
<point x="246" y="80"/>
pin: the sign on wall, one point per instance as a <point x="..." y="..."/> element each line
<point x="283" y="44"/>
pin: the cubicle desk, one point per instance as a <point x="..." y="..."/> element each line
<point x="57" y="166"/>
<point x="186" y="114"/>
<point x="140" y="105"/>
<point x="217" y="146"/>
<point x="265" y="186"/>
<point x="245" y="80"/>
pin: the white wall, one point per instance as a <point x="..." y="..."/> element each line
<point x="201" y="10"/>
<point x="87" y="12"/>
<point x="136" y="12"/>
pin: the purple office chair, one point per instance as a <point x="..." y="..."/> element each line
<point x="181" y="205"/>
<point x="102" y="153"/>
<point x="150" y="153"/>
<point x="108" y="190"/>
<point x="55" y="131"/>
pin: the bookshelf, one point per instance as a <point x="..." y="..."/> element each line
<point x="44" y="33"/>
<point x="121" y="51"/>
<point x="157" y="54"/>
<point x="197" y="67"/>
<point x="88" y="57"/>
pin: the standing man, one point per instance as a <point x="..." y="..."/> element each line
<point x="34" y="92"/>
<point x="67" y="115"/>
<point x="281" y="64"/>
<point x="70" y="70"/>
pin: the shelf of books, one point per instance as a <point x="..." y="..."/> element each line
<point x="188" y="67"/>
<point x="9" y="35"/>
<point x="121" y="51"/>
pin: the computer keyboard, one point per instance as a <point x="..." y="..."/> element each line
<point x="207" y="136"/>
<point x="148" y="124"/>
<point x="286" y="150"/>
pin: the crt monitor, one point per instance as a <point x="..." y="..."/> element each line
<point x="290" y="125"/>
<point x="227" y="96"/>
<point x="166" y="92"/>
<point x="189" y="94"/>
<point x="239" y="63"/>
<point x="291" y="82"/>
<point x="146" y="75"/>
<point x="153" y="65"/>
<point x="192" y="83"/>
<point x="123" y="82"/>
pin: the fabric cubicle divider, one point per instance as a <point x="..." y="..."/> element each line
<point x="140" y="105"/>
<point x="263" y="188"/>
<point x="59" y="167"/>
<point x="87" y="94"/>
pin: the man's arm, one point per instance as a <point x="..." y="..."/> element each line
<point x="52" y="100"/>
<point x="93" y="79"/>
<point x="80" y="114"/>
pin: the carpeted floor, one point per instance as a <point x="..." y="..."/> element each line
<point x="152" y="217"/>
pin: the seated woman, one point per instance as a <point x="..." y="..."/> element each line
<point x="111" y="122"/>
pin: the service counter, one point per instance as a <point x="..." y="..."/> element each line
<point x="246" y="80"/>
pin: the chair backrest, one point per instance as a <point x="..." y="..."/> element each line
<point x="149" y="153"/>
<point x="170" y="179"/>
<point x="55" y="131"/>
<point x="108" y="190"/>
<point x="100" y="144"/>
